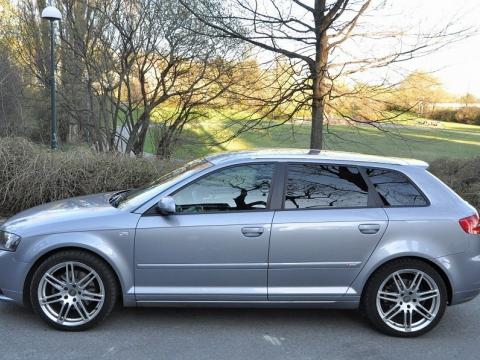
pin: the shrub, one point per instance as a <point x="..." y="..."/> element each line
<point x="464" y="115"/>
<point x="462" y="175"/>
<point x="468" y="115"/>
<point x="31" y="174"/>
<point x="443" y="115"/>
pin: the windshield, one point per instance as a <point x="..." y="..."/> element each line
<point x="148" y="191"/>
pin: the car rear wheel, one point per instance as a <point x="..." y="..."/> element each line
<point x="73" y="290"/>
<point x="405" y="298"/>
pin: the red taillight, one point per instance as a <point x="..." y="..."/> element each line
<point x="471" y="224"/>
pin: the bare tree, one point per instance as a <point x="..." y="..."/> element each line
<point x="169" y="70"/>
<point x="11" y="109"/>
<point x="322" y="41"/>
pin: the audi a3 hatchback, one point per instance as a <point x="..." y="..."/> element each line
<point x="290" y="228"/>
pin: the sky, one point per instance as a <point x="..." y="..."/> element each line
<point x="457" y="65"/>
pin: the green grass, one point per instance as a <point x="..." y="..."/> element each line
<point x="414" y="139"/>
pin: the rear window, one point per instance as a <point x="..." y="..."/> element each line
<point x="395" y="189"/>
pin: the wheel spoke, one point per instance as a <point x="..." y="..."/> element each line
<point x="70" y="273"/>
<point x="64" y="311"/>
<point x="399" y="282"/>
<point x="407" y="320"/>
<point x="56" y="283"/>
<point x="82" y="311"/>
<point x="394" y="311"/>
<point x="417" y="280"/>
<point x="426" y="295"/>
<point x="420" y="309"/>
<point x="82" y="306"/>
<point x="388" y="296"/>
<point x="51" y="299"/>
<point x="89" y="296"/>
<point x="87" y="279"/>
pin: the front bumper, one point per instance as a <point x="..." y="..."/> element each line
<point x="12" y="277"/>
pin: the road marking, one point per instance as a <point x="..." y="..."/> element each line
<point x="272" y="340"/>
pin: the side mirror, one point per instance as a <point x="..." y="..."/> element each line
<point x="166" y="205"/>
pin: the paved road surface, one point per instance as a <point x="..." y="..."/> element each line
<point x="236" y="334"/>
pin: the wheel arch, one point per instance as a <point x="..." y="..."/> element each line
<point x="44" y="256"/>
<point x="428" y="261"/>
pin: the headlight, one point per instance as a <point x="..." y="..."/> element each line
<point x="9" y="241"/>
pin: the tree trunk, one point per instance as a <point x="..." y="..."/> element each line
<point x="140" y="141"/>
<point x="165" y="144"/>
<point x="319" y="73"/>
<point x="318" y="106"/>
<point x="138" y="134"/>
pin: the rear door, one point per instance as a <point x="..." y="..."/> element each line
<point x="328" y="227"/>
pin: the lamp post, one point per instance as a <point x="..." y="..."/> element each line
<point x="52" y="14"/>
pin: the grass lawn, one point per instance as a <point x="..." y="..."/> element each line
<point x="412" y="140"/>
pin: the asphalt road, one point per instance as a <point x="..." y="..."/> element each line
<point x="230" y="334"/>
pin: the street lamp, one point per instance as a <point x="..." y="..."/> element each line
<point x="52" y="14"/>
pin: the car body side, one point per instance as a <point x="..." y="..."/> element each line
<point x="431" y="233"/>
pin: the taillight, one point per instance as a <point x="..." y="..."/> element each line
<point x="471" y="224"/>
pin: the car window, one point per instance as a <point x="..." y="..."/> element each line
<point x="312" y="186"/>
<point x="395" y="189"/>
<point x="148" y="191"/>
<point x="239" y="188"/>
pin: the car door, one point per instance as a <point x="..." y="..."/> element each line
<point x="215" y="246"/>
<point x="328" y="227"/>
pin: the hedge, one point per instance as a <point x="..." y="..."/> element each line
<point x="462" y="175"/>
<point x="31" y="174"/>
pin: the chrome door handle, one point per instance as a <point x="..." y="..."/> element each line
<point x="252" y="231"/>
<point x="369" y="228"/>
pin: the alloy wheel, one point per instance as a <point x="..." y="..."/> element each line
<point x="71" y="293"/>
<point x="408" y="300"/>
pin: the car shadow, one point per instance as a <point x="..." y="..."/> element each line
<point x="231" y="317"/>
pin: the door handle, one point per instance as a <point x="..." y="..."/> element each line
<point x="369" y="228"/>
<point x="252" y="231"/>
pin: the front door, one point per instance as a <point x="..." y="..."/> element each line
<point x="215" y="247"/>
<point x="326" y="231"/>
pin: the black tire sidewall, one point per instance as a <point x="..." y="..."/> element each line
<point x="103" y="271"/>
<point x="373" y="285"/>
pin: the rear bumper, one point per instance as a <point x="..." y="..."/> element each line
<point x="12" y="277"/>
<point x="464" y="272"/>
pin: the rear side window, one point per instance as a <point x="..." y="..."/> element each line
<point x="316" y="186"/>
<point x="395" y="189"/>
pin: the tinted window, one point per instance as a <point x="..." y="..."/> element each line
<point x="243" y="187"/>
<point x="395" y="189"/>
<point x="311" y="186"/>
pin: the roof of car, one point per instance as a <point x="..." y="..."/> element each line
<point x="310" y="154"/>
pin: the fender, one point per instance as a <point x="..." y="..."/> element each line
<point x="116" y="247"/>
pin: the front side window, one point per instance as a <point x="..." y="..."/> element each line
<point x="395" y="189"/>
<point x="239" y="188"/>
<point x="315" y="186"/>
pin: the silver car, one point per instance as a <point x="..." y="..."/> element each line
<point x="289" y="228"/>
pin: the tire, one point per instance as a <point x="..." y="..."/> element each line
<point x="405" y="298"/>
<point x="73" y="302"/>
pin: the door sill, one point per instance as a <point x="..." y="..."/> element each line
<point x="351" y="304"/>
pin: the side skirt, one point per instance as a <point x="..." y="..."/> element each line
<point x="254" y="304"/>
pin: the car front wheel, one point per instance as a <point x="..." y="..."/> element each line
<point x="405" y="298"/>
<point x="73" y="290"/>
